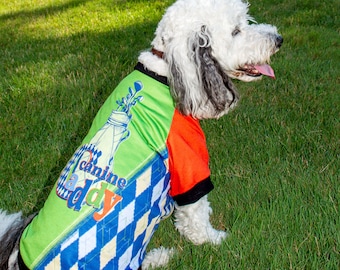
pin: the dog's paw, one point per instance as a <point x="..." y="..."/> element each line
<point x="157" y="257"/>
<point x="216" y="237"/>
<point x="206" y="235"/>
<point x="193" y="222"/>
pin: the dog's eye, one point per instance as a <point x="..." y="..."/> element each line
<point x="236" y="31"/>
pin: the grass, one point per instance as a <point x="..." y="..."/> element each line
<point x="274" y="160"/>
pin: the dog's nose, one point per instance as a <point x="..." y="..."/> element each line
<point x="279" y="41"/>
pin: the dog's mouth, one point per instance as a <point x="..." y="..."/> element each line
<point x="257" y="70"/>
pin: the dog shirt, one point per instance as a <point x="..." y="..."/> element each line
<point x="116" y="188"/>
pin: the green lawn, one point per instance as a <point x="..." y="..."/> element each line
<point x="274" y="159"/>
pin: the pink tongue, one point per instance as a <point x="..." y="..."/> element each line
<point x="265" y="70"/>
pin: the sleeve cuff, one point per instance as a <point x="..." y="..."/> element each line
<point x="197" y="192"/>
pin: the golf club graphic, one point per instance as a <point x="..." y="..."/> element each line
<point x="94" y="162"/>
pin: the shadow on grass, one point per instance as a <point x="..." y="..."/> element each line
<point x="50" y="10"/>
<point x="122" y="57"/>
<point x="86" y="68"/>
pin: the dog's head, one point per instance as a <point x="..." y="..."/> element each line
<point x="207" y="42"/>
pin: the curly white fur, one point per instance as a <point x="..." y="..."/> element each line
<point x="205" y="42"/>
<point x="11" y="228"/>
<point x="157" y="257"/>
<point x="192" y="221"/>
<point x="8" y="220"/>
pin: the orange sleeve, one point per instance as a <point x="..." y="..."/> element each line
<point x="188" y="160"/>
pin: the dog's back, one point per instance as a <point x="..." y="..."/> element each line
<point x="11" y="228"/>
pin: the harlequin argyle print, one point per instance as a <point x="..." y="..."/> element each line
<point x="122" y="239"/>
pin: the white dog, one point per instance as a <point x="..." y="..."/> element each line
<point x="145" y="151"/>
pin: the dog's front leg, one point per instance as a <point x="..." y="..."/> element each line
<point x="193" y="222"/>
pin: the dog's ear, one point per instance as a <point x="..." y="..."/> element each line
<point x="198" y="83"/>
<point x="218" y="87"/>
